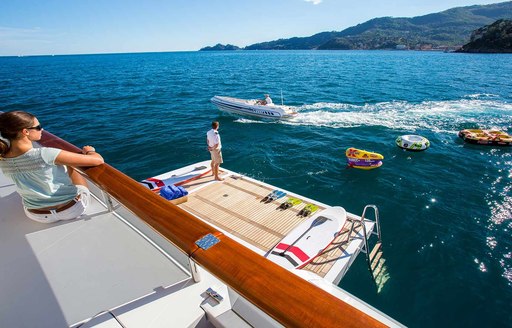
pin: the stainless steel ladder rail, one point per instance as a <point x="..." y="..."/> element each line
<point x="373" y="257"/>
<point x="376" y="230"/>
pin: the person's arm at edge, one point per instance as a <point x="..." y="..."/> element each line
<point x="89" y="157"/>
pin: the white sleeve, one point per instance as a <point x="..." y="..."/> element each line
<point x="50" y="154"/>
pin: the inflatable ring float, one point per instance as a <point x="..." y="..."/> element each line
<point x="412" y="142"/>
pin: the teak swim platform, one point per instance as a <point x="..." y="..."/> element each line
<point x="235" y="205"/>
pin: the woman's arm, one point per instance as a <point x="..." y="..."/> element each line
<point x="89" y="157"/>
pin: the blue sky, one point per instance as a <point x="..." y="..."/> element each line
<point x="36" y="27"/>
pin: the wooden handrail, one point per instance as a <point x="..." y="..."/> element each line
<point x="287" y="298"/>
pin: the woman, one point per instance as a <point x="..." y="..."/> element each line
<point x="50" y="188"/>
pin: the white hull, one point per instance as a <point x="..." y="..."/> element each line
<point x="251" y="108"/>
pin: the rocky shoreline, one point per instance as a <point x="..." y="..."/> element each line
<point x="493" y="38"/>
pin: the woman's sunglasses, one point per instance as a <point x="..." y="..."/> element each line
<point x="37" y="127"/>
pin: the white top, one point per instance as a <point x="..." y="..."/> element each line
<point x="268" y="100"/>
<point x="39" y="181"/>
<point x="213" y="138"/>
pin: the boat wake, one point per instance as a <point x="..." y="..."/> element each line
<point x="252" y="121"/>
<point x="472" y="111"/>
<point x="438" y="116"/>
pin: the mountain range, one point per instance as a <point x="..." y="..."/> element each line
<point x="450" y="28"/>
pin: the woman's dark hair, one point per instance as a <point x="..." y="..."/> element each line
<point x="11" y="123"/>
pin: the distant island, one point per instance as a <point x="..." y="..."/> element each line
<point x="494" y="38"/>
<point x="445" y="30"/>
<point x="219" y="46"/>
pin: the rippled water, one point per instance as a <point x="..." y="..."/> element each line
<point x="446" y="213"/>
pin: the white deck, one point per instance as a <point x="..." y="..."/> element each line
<point x="112" y="267"/>
<point x="56" y="275"/>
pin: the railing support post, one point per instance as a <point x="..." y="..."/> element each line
<point x="196" y="275"/>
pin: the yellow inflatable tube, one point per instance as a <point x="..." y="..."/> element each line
<point x="362" y="159"/>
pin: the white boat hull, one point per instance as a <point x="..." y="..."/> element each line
<point x="251" y="108"/>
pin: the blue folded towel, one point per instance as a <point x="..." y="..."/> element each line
<point x="170" y="192"/>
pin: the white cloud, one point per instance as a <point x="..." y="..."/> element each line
<point x="315" y="2"/>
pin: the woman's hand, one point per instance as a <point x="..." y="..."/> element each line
<point x="88" y="149"/>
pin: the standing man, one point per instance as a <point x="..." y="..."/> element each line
<point x="214" y="147"/>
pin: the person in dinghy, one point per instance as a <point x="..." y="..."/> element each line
<point x="266" y="101"/>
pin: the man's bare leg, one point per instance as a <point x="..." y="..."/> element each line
<point x="217" y="173"/>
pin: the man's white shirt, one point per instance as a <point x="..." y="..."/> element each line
<point x="213" y="138"/>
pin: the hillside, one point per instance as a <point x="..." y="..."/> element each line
<point x="449" y="28"/>
<point x="494" y="38"/>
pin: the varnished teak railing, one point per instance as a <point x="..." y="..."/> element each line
<point x="289" y="299"/>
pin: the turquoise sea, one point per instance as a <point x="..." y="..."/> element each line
<point x="446" y="213"/>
